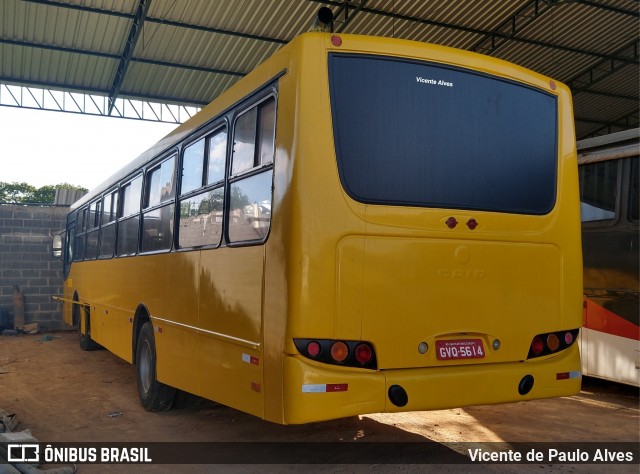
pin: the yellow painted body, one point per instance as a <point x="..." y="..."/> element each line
<point x="225" y="319"/>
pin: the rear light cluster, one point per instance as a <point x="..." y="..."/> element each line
<point x="346" y="353"/>
<point x="550" y="343"/>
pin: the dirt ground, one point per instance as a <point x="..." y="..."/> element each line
<point x="62" y="394"/>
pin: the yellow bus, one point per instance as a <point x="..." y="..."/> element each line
<point x="359" y="225"/>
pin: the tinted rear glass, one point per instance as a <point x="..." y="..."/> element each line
<point x="419" y="134"/>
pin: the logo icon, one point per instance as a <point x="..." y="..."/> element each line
<point x="23" y="453"/>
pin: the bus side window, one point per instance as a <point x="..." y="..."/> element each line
<point x="598" y="191"/>
<point x="201" y="214"/>
<point x="633" y="191"/>
<point x="79" y="244"/>
<point x="192" y="167"/>
<point x="157" y="220"/>
<point x="69" y="254"/>
<point x="129" y="223"/>
<point x="108" y="230"/>
<point x="250" y="191"/>
<point x="217" y="156"/>
<point x="93" y="229"/>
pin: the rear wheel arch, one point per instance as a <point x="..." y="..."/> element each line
<point x="154" y="395"/>
<point x="141" y="317"/>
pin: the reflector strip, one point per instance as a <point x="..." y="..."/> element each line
<point x="323" y="388"/>
<point x="250" y="359"/>
<point x="567" y="375"/>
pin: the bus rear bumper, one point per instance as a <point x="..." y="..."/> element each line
<point x="314" y="393"/>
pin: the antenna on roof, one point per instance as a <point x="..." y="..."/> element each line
<point x="323" y="21"/>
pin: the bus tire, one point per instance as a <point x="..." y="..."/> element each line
<point x="81" y="315"/>
<point x="154" y="395"/>
<point x="185" y="400"/>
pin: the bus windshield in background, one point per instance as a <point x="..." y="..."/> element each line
<point x="419" y="134"/>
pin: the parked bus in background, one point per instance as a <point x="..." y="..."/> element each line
<point x="608" y="168"/>
<point x="359" y="225"/>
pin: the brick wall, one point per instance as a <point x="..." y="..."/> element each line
<point x="25" y="260"/>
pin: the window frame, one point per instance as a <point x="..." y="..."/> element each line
<point x="267" y="94"/>
<point x="92" y="226"/>
<point x="217" y="125"/>
<point x="145" y="209"/>
<point x="113" y="212"/>
<point x="120" y="217"/>
<point x="604" y="223"/>
<point x="80" y="233"/>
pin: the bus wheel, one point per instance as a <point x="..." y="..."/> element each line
<point x="154" y="395"/>
<point x="81" y="315"/>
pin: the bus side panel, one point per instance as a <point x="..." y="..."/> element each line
<point x="230" y="316"/>
<point x="123" y="289"/>
<point x="94" y="290"/>
<point x="172" y="295"/>
<point x="231" y="374"/>
<point x="177" y="355"/>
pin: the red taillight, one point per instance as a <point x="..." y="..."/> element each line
<point x="313" y="349"/>
<point x="552" y="342"/>
<point x="339" y="351"/>
<point x="363" y="353"/>
<point x="358" y="354"/>
<point x="537" y="345"/>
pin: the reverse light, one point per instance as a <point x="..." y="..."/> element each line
<point x="358" y="354"/>
<point x="552" y="342"/>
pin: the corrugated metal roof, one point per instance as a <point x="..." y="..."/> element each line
<point x="189" y="51"/>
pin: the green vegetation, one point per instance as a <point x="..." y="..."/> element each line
<point x="23" y="193"/>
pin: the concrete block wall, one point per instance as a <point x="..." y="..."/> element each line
<point x="26" y="235"/>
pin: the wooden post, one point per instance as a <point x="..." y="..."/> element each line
<point x="18" y="308"/>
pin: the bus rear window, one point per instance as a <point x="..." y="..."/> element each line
<point x="419" y="134"/>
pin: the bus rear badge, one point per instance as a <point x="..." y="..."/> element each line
<point x="461" y="274"/>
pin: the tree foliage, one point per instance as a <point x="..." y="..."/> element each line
<point x="24" y="193"/>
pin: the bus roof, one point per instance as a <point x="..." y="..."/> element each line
<point x="262" y="74"/>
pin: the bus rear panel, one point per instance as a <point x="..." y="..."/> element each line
<point x="438" y="252"/>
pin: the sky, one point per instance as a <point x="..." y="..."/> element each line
<point x="41" y="148"/>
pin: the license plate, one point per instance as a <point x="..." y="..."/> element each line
<point x="460" y="349"/>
